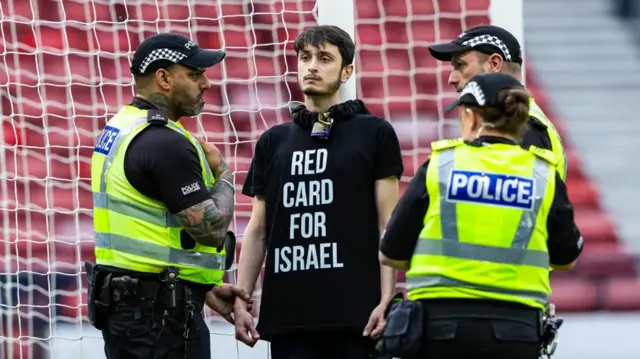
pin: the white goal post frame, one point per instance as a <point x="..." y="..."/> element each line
<point x="508" y="14"/>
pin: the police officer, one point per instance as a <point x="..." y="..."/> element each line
<point x="163" y="202"/>
<point x="488" y="48"/>
<point x="478" y="228"/>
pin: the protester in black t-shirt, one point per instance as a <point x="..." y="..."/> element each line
<point x="324" y="187"/>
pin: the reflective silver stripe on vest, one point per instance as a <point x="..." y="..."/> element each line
<point x="450" y="244"/>
<point x="471" y="251"/>
<point x="528" y="219"/>
<point x="152" y="215"/>
<point x="448" y="214"/>
<point x="440" y="281"/>
<point x="154" y="251"/>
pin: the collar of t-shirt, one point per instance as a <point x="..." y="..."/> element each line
<point x="339" y="112"/>
<point x="143" y="104"/>
<point x="491" y="140"/>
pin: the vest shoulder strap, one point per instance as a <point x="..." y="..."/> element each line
<point x="444" y="144"/>
<point x="536" y="112"/>
<point x="546" y="155"/>
<point x="157" y="117"/>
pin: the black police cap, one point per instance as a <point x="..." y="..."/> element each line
<point x="483" y="89"/>
<point x="487" y="39"/>
<point x="164" y="50"/>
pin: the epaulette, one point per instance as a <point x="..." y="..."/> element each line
<point x="546" y="155"/>
<point x="444" y="144"/>
<point x="536" y="111"/>
<point x="156" y="117"/>
<point x="535" y="121"/>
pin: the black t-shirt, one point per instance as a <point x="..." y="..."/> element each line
<point x="407" y="221"/>
<point x="322" y="270"/>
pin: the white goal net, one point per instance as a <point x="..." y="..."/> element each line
<point x="64" y="70"/>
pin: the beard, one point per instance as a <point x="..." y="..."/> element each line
<point x="329" y="90"/>
<point x="186" y="104"/>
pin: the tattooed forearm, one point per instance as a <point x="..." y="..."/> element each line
<point x="207" y="222"/>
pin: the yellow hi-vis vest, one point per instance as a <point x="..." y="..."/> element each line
<point x="556" y="142"/>
<point x="485" y="231"/>
<point x="135" y="232"/>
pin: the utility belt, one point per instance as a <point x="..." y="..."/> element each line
<point x="403" y="335"/>
<point x="109" y="291"/>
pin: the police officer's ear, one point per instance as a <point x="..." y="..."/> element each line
<point x="495" y="63"/>
<point x="163" y="79"/>
<point x="470" y="119"/>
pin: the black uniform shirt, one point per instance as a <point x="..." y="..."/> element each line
<point x="159" y="163"/>
<point x="407" y="221"/>
<point x="535" y="134"/>
<point x="322" y="270"/>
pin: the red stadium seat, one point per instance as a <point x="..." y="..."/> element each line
<point x="19" y="344"/>
<point x="39" y="164"/>
<point x="20" y="69"/>
<point x="595" y="226"/>
<point x="369" y="62"/>
<point x="574" y="165"/>
<point x="84" y="12"/>
<point x="369" y="34"/>
<point x="109" y="68"/>
<point x="582" y="193"/>
<point x="233" y="15"/>
<point x="605" y="265"/>
<point x="51" y="194"/>
<point x="622" y="294"/>
<point x="369" y="10"/>
<point x="573" y="295"/>
<point x="604" y="248"/>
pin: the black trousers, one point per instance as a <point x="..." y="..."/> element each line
<point x="461" y="329"/>
<point x="156" y="333"/>
<point x="323" y="345"/>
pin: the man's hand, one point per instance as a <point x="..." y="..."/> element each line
<point x="221" y="300"/>
<point x="245" y="328"/>
<point x="214" y="157"/>
<point x="376" y="323"/>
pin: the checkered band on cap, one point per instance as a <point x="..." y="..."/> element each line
<point x="489" y="40"/>
<point x="474" y="90"/>
<point x="161" y="54"/>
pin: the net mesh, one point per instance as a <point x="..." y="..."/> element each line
<point x="64" y="70"/>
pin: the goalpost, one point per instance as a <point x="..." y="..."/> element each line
<point x="64" y="70"/>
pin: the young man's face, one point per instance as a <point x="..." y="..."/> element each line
<point x="320" y="70"/>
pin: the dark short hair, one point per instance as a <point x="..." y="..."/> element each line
<point x="319" y="35"/>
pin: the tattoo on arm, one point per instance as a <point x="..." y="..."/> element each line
<point x="207" y="222"/>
